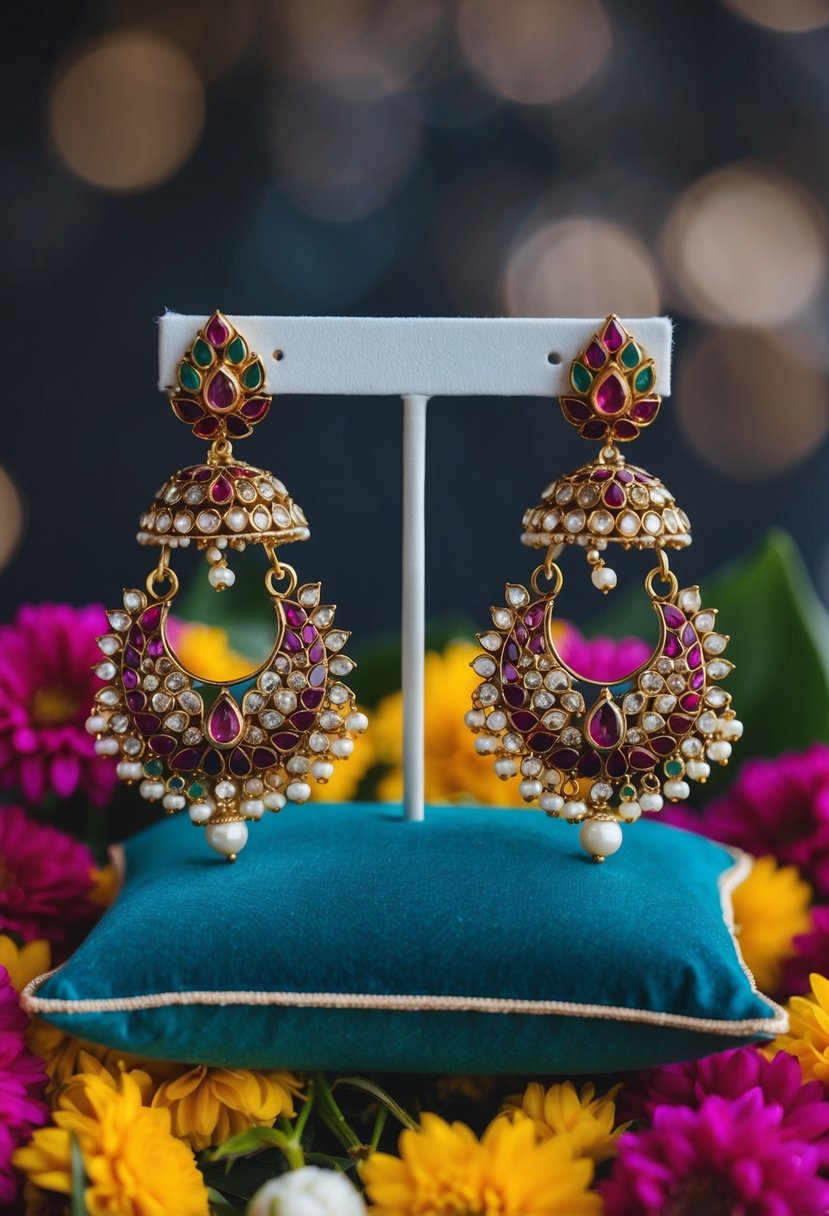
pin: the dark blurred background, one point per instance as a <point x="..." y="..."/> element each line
<point x="474" y="157"/>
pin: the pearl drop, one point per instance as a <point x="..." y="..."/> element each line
<point x="505" y="767"/>
<point x="600" y="837"/>
<point x="731" y="728"/>
<point x="273" y="800"/>
<point x="95" y="724"/>
<point x="227" y="838"/>
<point x="603" y="578"/>
<point x="221" y="577"/>
<point x="474" y="718"/>
<point x="356" y="722"/>
<point x="254" y="787"/>
<point x="486" y="744"/>
<point x="106" y="747"/>
<point x="651" y="802"/>
<point x="551" y="803"/>
<point x="129" y="770"/>
<point x="225" y="790"/>
<point x="698" y="770"/>
<point x="151" y="790"/>
<point x="322" y="770"/>
<point x="342" y="748"/>
<point x="530" y="789"/>
<point x="252" y="808"/>
<point x="214" y="555"/>
<point x="298" y="791"/>
<point x="630" y="811"/>
<point x="574" y="809"/>
<point x="718" y="750"/>
<point x="200" y="812"/>
<point x="676" y="791"/>
<point x="173" y="802"/>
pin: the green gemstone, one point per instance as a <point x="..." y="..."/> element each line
<point x="196" y="790"/>
<point x="236" y="351"/>
<point x="628" y="792"/>
<point x="644" y="380"/>
<point x="630" y="355"/>
<point x="153" y="768"/>
<point x="188" y="377"/>
<point x="252" y="376"/>
<point x="580" y="377"/>
<point x="674" y="768"/>
<point x="202" y="353"/>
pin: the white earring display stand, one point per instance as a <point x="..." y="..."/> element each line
<point x="415" y="358"/>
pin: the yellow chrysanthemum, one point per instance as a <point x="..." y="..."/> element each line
<point x="209" y="1105"/>
<point x="24" y="962"/>
<point x="206" y="650"/>
<point x="585" y="1120"/>
<point x="808" y="1036"/>
<point x="770" y="908"/>
<point x="64" y="1056"/>
<point x="106" y="882"/>
<point x="134" y="1166"/>
<point x="444" y="1170"/>
<point x="454" y="770"/>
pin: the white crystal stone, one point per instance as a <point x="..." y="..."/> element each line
<point x="246" y="491"/>
<point x="173" y="802"/>
<point x="653" y="722"/>
<point x="356" y="722"/>
<point x="551" y="803"/>
<point x="718" y="669"/>
<point x="564" y="493"/>
<point x="253" y="702"/>
<point x="600" y="791"/>
<point x="341" y="665"/>
<point x="322" y="770"/>
<point x="172" y="494"/>
<point x="161" y="701"/>
<point x="119" y="723"/>
<point x="630" y="811"/>
<point x="574" y="520"/>
<point x="193" y="495"/>
<point x="531" y="766"/>
<point x="532" y="680"/>
<point x="252" y="808"/>
<point x="95" y="723"/>
<point x="670" y="520"/>
<point x="601" y="522"/>
<point x="266" y="490"/>
<point x="691" y="747"/>
<point x="505" y="767"/>
<point x="134" y="600"/>
<point x="199" y="812"/>
<point x="274" y="801"/>
<point x="651" y="802"/>
<point x="298" y="791"/>
<point x="707" y="723"/>
<point x="208" y="521"/>
<point x="676" y="791"/>
<point x="175" y="722"/>
<point x="705" y="621"/>
<point x="106" y="670"/>
<point x="309" y="595"/>
<point x="152" y="791"/>
<point x="225" y="790"/>
<point x="550" y="520"/>
<point x="474" y="718"/>
<point x="236" y="519"/>
<point x="715" y="643"/>
<point x="716" y="697"/>
<point x="336" y="640"/>
<point x="651" y="681"/>
<point x="556" y="679"/>
<point x="323" y="617"/>
<point x="502" y="618"/>
<point x="651" y="522"/>
<point x="587" y="496"/>
<point x="555" y="719"/>
<point x="633" y="702"/>
<point x="698" y="770"/>
<point x="132" y="747"/>
<point x="574" y="809"/>
<point x="129" y="770"/>
<point x="183" y="521"/>
<point x="490" y="641"/>
<point x="109" y="644"/>
<point x="227" y="838"/>
<point x="280" y="516"/>
<point x="718" y="750"/>
<point x="318" y="742"/>
<point x="628" y="523"/>
<point x="268" y="681"/>
<point x="261" y="519"/>
<point x="572" y="701"/>
<point x="529" y="789"/>
<point x="542" y="700"/>
<point x="108" y="696"/>
<point x="298" y="764"/>
<point x="175" y="681"/>
<point x="513" y="742"/>
<point x="665" y="703"/>
<point x="338" y="694"/>
<point x="486" y="744"/>
<point x="254" y="787"/>
<point x="163" y="521"/>
<point x="329" y="720"/>
<point x="517" y="596"/>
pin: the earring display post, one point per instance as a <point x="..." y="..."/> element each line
<point x="415" y="359"/>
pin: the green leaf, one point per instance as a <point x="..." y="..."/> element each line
<point x="220" y="1205"/>
<point x="779" y="644"/>
<point x="244" y="1178"/>
<point x="79" y="1180"/>
<point x="377" y="1092"/>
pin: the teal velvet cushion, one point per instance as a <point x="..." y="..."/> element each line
<point x="479" y="941"/>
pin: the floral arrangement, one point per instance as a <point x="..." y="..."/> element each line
<point x="84" y="1129"/>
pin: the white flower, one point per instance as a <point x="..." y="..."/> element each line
<point x="307" y="1192"/>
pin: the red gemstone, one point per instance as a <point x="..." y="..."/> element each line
<point x="186" y="760"/>
<point x="224" y="723"/>
<point x="512" y="695"/>
<point x="614" y="495"/>
<point x="237" y="427"/>
<point x="221" y="490"/>
<point x="594" y="429"/>
<point x="163" y="744"/>
<point x="136" y="701"/>
<point x="221" y="391"/>
<point x="566" y="758"/>
<point x="129" y="679"/>
<point x="136" y="637"/>
<point x="291" y="642"/>
<point x="616" y="765"/>
<point x="188" y="411"/>
<point x="239" y="763"/>
<point x="151" y="619"/>
<point x="689" y="635"/>
<point x="213" y="763"/>
<point x="624" y="475"/>
<point x="203" y="473"/>
<point x="611" y="395"/>
<point x="639" y="758"/>
<point x="256" y="409"/>
<point x="690" y="702"/>
<point x="148" y="724"/>
<point x="679" y="724"/>
<point x="697" y="679"/>
<point x="303" y="719"/>
<point x="541" y="742"/>
<point x="623" y="429"/>
<point x="590" y="764"/>
<point x="613" y="336"/>
<point x="534" y="616"/>
<point x="664" y="745"/>
<point x="604" y="726"/>
<point x="285" y="741"/>
<point x="524" y="721"/>
<point x="312" y="698"/>
<point x="510" y="674"/>
<point x="645" y="410"/>
<point x="576" y="411"/>
<point x="316" y="653"/>
<point x="216" y="332"/>
<point x="674" y="619"/>
<point x="294" y="615"/>
<point x="131" y="657"/>
<point x="672" y="647"/>
<point x="206" y="429"/>
<point x="309" y="633"/>
<point x="695" y="657"/>
<point x="537" y="644"/>
<point x="264" y="758"/>
<point x="594" y="356"/>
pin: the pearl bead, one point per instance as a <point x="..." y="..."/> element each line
<point x="151" y="790"/>
<point x="342" y="748"/>
<point x="505" y="767"/>
<point x="718" y="750"/>
<point x="600" y="837"/>
<point x="106" y="747"/>
<point x="227" y="838"/>
<point x="252" y="808"/>
<point x="225" y="790"/>
<point x="486" y="744"/>
<point x="322" y="770"/>
<point x="676" y="791"/>
<point x="214" y="555"/>
<point x="298" y="764"/>
<point x="273" y="800"/>
<point x="630" y="811"/>
<point x="356" y="722"/>
<point x="529" y="789"/>
<point x="173" y="802"/>
<point x="95" y="724"/>
<point x="574" y="809"/>
<point x="474" y="718"/>
<point x="603" y="578"/>
<point x="298" y="791"/>
<point x="221" y="577"/>
<point x="731" y="728"/>
<point x="651" y="802"/>
<point x="254" y="787"/>
<point x="551" y="803"/>
<point x="129" y="770"/>
<point x="200" y="812"/>
<point x="698" y="770"/>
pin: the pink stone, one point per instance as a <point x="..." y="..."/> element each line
<point x="224" y="722"/>
<point x="613" y="336"/>
<point x="611" y="395"/>
<point x="255" y="409"/>
<point x="614" y="495"/>
<point x="216" y="332"/>
<point x="645" y="410"/>
<point x="294" y="615"/>
<point x="672" y="647"/>
<point x="534" y="616"/>
<point x="674" y="619"/>
<point x="291" y="642"/>
<point x="624" y="429"/>
<point x="594" y="356"/>
<point x="604" y="726"/>
<point x="576" y="411"/>
<point x="221" y="391"/>
<point x="221" y="490"/>
<point x="151" y="618"/>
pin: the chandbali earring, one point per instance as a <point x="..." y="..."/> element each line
<point x="592" y="752"/>
<point x="228" y="751"/>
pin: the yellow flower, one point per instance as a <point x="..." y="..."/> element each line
<point x="106" y="882"/>
<point x="454" y="770"/>
<point x="206" y="650"/>
<point x="134" y="1166"/>
<point x="24" y="962"/>
<point x="209" y="1105"/>
<point x="444" y="1170"/>
<point x="808" y="1036"/>
<point x="585" y="1120"/>
<point x="770" y="908"/>
<point x="64" y="1056"/>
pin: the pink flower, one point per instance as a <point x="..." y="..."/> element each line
<point x="22" y="1086"/>
<point x="45" y="879"/>
<point x="778" y="806"/>
<point x="600" y="658"/>
<point x="811" y="954"/>
<point x="46" y="693"/>
<point x="730" y="1074"/>
<point x="726" y="1158"/>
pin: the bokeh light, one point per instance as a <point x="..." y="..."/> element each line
<point x="582" y="268"/>
<point x="214" y="36"/>
<point x="11" y="518"/>
<point x="127" y="112"/>
<point x="746" y="246"/>
<point x="339" y="158"/>
<point x="362" y="48"/>
<point x="746" y="405"/>
<point x="535" y="51"/>
<point x="786" y="16"/>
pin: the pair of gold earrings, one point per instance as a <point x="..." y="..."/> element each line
<point x="230" y="752"/>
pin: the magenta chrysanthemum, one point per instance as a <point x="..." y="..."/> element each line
<point x="730" y="1074"/>
<point x="22" y="1086"/>
<point x="601" y="658"/>
<point x="45" y="878"/>
<point x="46" y="692"/>
<point x="778" y="806"/>
<point x="811" y="954"/>
<point x="726" y="1158"/>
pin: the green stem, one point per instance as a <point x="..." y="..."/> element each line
<point x="345" y="1133"/>
<point x="292" y="1148"/>
<point x="379" y="1124"/>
